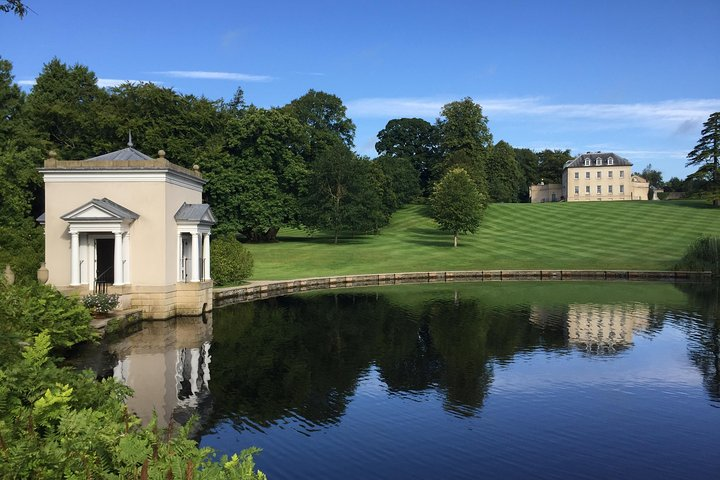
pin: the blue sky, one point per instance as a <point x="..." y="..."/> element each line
<point x="635" y="77"/>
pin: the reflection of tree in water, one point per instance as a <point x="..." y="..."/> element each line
<point x="290" y="356"/>
<point x="303" y="356"/>
<point x="704" y="333"/>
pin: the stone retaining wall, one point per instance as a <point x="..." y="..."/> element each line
<point x="267" y="289"/>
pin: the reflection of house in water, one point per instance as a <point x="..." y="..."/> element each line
<point x="596" y="328"/>
<point x="167" y="364"/>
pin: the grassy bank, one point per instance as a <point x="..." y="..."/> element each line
<point x="599" y="235"/>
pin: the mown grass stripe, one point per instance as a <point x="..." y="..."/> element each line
<point x="600" y="235"/>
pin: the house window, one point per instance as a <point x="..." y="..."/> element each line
<point x="587" y="175"/>
<point x="610" y="189"/>
<point x="587" y="190"/>
<point x="622" y="188"/>
<point x="610" y="174"/>
<point x="587" y="162"/>
<point x="577" y="190"/>
<point x="598" y="161"/>
<point x="577" y="175"/>
<point x="622" y="173"/>
<point x="599" y="189"/>
<point x="599" y="174"/>
<point x="610" y="160"/>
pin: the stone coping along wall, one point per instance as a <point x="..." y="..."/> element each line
<point x="266" y="289"/>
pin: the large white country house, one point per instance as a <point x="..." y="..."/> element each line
<point x="591" y="177"/>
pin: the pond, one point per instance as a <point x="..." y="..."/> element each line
<point x="494" y="379"/>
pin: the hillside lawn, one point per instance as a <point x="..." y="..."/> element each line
<point x="583" y="235"/>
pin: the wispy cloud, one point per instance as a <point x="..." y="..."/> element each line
<point x="242" y="77"/>
<point x="101" y="82"/>
<point x="114" y="82"/>
<point x="679" y="115"/>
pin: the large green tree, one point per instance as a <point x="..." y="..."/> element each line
<point x="326" y="117"/>
<point x="256" y="181"/>
<point x="11" y="102"/>
<point x="528" y="163"/>
<point x="706" y="154"/>
<point x="457" y="204"/>
<point x="503" y="174"/>
<point x="184" y="126"/>
<point x="403" y="179"/>
<point x="65" y="109"/>
<point x="414" y="139"/>
<point x="342" y="196"/>
<point x="550" y="164"/>
<point x="465" y="139"/>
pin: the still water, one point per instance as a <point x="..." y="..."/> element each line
<point x="494" y="380"/>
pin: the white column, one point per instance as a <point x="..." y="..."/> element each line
<point x="74" y="258"/>
<point x="126" y="257"/>
<point x="118" y="259"/>
<point x="206" y="256"/>
<point x="195" y="258"/>
<point x="178" y="258"/>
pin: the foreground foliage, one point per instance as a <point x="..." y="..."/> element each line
<point x="55" y="423"/>
<point x="26" y="310"/>
<point x="59" y="423"/>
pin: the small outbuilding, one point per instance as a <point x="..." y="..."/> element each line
<point x="129" y="224"/>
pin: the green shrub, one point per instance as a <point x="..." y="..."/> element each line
<point x="101" y="302"/>
<point x="703" y="254"/>
<point x="231" y="262"/>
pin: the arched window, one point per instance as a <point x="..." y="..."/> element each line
<point x="598" y="161"/>
<point x="610" y="160"/>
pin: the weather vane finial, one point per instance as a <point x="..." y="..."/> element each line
<point x="130" y="144"/>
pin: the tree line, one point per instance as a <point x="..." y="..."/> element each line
<point x="267" y="168"/>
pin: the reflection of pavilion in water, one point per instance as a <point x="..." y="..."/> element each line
<point x="167" y="364"/>
<point x="596" y="328"/>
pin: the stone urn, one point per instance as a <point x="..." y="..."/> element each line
<point x="43" y="274"/>
<point x="9" y="275"/>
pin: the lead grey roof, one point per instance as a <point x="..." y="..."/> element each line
<point x="124" y="154"/>
<point x="195" y="212"/>
<point x="106" y="205"/>
<point x="579" y="161"/>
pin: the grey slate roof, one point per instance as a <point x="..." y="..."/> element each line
<point x="124" y="154"/>
<point x="109" y="206"/>
<point x="579" y="161"/>
<point x="195" y="212"/>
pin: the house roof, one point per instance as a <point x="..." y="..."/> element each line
<point x="579" y="161"/>
<point x="195" y="213"/>
<point x="100" y="209"/>
<point x="125" y="154"/>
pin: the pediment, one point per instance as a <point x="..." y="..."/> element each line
<point x="195" y="214"/>
<point x="100" y="210"/>
<point x="94" y="212"/>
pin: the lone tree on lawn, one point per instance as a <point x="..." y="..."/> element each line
<point x="706" y="154"/>
<point x="457" y="204"/>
